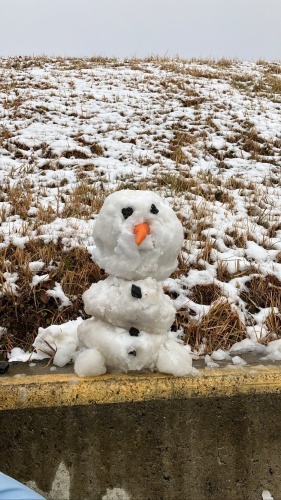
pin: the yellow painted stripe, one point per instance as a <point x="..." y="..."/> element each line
<point x="52" y="390"/>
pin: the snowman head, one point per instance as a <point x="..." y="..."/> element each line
<point x="137" y="235"/>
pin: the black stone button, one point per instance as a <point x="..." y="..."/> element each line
<point x="132" y="353"/>
<point x="134" y="332"/>
<point x="136" y="292"/>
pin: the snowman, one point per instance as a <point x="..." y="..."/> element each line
<point x="138" y="238"/>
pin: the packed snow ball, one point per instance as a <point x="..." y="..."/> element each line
<point x="111" y="348"/>
<point x="137" y="235"/>
<point x="140" y="304"/>
<point x="121" y="351"/>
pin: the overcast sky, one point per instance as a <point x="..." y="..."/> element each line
<point x="246" y="29"/>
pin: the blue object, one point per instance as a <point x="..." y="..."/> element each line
<point x="10" y="489"/>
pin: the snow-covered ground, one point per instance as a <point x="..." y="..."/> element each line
<point x="206" y="135"/>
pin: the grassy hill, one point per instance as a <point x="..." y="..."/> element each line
<point x="204" y="134"/>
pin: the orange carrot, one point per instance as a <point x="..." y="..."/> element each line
<point x="141" y="231"/>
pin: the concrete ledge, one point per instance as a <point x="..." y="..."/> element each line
<point x="213" y="436"/>
<point x="58" y="390"/>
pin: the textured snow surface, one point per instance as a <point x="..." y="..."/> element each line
<point x="272" y="351"/>
<point x="116" y="251"/>
<point x="266" y="495"/>
<point x="173" y="358"/>
<point x="90" y="363"/>
<point x="144" y="307"/>
<point x="116" y="343"/>
<point x="58" y="341"/>
<point x="123" y="352"/>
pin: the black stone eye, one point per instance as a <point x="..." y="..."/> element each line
<point x="127" y="212"/>
<point x="134" y="332"/>
<point x="136" y="292"/>
<point x="153" y="209"/>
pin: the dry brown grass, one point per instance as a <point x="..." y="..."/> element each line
<point x="19" y="196"/>
<point x="182" y="269"/>
<point x="84" y="200"/>
<point x="205" y="294"/>
<point x="175" y="151"/>
<point x="273" y="324"/>
<point x="220" y="328"/>
<point x="24" y="312"/>
<point x="261" y="292"/>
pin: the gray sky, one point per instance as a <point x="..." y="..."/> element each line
<point x="246" y="29"/>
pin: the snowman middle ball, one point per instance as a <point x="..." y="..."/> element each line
<point x="137" y="235"/>
<point x="139" y="304"/>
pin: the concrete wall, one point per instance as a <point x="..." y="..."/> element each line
<point x="174" y="448"/>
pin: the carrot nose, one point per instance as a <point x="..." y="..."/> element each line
<point x="141" y="231"/>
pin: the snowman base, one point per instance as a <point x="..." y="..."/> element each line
<point x="90" y="363"/>
<point x="105" y="347"/>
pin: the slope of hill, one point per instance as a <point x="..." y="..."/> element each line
<point x="206" y="135"/>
